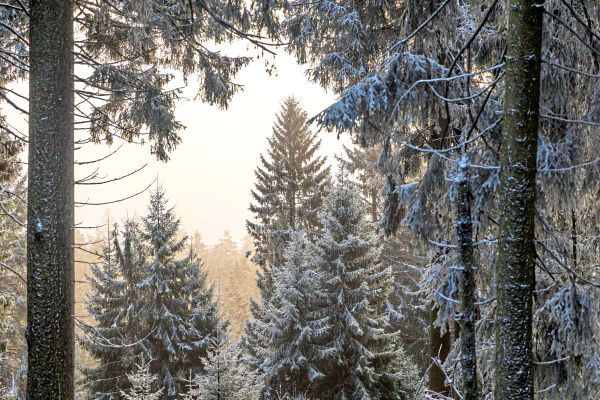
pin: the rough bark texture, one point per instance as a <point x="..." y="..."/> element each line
<point x="439" y="348"/>
<point x="515" y="276"/>
<point x="467" y="317"/>
<point x="50" y="208"/>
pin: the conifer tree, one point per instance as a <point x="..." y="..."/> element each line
<point x="176" y="306"/>
<point x="206" y="320"/>
<point x="225" y="376"/>
<point x="114" y="303"/>
<point x="363" y="164"/>
<point x="360" y="356"/>
<point x="288" y="191"/>
<point x="149" y="302"/>
<point x="225" y="269"/>
<point x="198" y="246"/>
<point x="142" y="382"/>
<point x="290" y="367"/>
<point x="287" y="196"/>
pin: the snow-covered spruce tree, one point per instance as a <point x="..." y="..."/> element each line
<point x="398" y="252"/>
<point x="287" y="196"/>
<point x="114" y="302"/>
<point x="225" y="376"/>
<point x="293" y="328"/>
<point x="175" y="305"/>
<point x="288" y="189"/>
<point x="142" y="383"/>
<point x="359" y="356"/>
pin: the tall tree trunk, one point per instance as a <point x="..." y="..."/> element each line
<point x="467" y="317"/>
<point x="515" y="275"/>
<point x="374" y="195"/>
<point x="439" y="348"/>
<point x="574" y="240"/>
<point x="50" y="209"/>
<point x="439" y="344"/>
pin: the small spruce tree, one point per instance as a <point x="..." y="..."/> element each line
<point x="226" y="376"/>
<point x="142" y="382"/>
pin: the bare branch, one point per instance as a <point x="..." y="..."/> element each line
<point x="13" y="271"/>
<point x="81" y="204"/>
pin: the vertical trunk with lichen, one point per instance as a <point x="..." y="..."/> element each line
<point x="515" y="276"/>
<point x="467" y="316"/>
<point x="50" y="208"/>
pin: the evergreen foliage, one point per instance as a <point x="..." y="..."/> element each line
<point x="360" y="355"/>
<point x="226" y="376"/>
<point x="5" y="305"/>
<point x="149" y="302"/>
<point x="142" y="383"/>
<point x="288" y="194"/>
<point x="13" y="301"/>
<point x="457" y="160"/>
<point x="288" y="190"/>
<point x="114" y="304"/>
<point x="329" y="320"/>
<point x="292" y="327"/>
<point x="176" y="305"/>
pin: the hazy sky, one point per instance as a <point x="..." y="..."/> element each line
<point x="210" y="175"/>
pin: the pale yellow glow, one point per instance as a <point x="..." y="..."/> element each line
<point x="210" y="175"/>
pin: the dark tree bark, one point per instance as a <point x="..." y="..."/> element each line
<point x="439" y="344"/>
<point x="439" y="348"/>
<point x="515" y="275"/>
<point x="50" y="209"/>
<point x="467" y="316"/>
